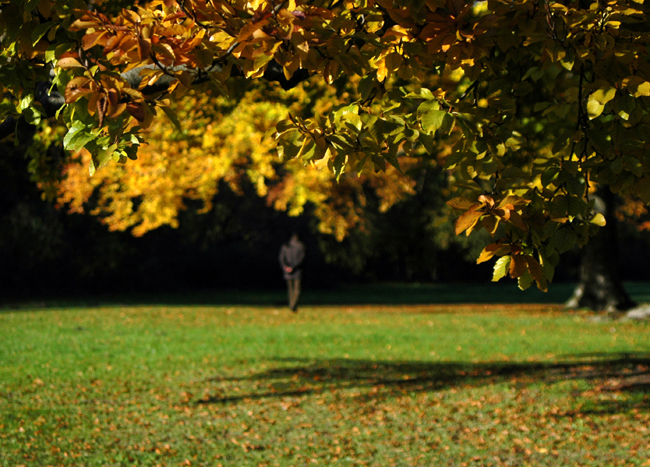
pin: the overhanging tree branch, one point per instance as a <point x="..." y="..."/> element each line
<point x="52" y="100"/>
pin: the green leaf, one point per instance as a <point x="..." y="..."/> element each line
<point x="633" y="165"/>
<point x="427" y="106"/>
<point x="342" y="111"/>
<point x="550" y="175"/>
<point x="172" y="116"/>
<point x="39" y="31"/>
<point x="522" y="89"/>
<point x="576" y="206"/>
<point x="564" y="239"/>
<point x="426" y="94"/>
<point x="289" y="145"/>
<point x="447" y="124"/>
<point x="25" y="102"/>
<point x="382" y="129"/>
<point x="76" y="128"/>
<point x="33" y="115"/>
<point x="80" y="140"/>
<point x="525" y="281"/>
<point x="617" y="165"/>
<point x="366" y="85"/>
<point x="501" y="268"/>
<point x="131" y="152"/>
<point x="642" y="189"/>
<point x="432" y="120"/>
<point x="283" y="126"/>
<point x="576" y="185"/>
<point x="427" y="142"/>
<point x="104" y="156"/>
<point x="30" y="5"/>
<point x="307" y="149"/>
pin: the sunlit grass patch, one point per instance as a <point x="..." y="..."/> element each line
<point x="365" y="385"/>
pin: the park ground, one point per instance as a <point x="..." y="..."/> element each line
<point x="446" y="384"/>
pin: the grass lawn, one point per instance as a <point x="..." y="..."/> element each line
<point x="408" y="385"/>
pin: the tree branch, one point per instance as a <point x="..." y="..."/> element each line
<point x="53" y="101"/>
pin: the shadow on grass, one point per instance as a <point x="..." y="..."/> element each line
<point x="605" y="372"/>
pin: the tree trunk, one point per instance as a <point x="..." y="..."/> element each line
<point x="600" y="287"/>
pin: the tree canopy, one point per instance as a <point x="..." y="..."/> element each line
<point x="531" y="105"/>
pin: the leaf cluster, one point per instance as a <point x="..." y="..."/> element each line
<point x="538" y="101"/>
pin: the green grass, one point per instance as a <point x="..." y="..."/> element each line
<point x="368" y="385"/>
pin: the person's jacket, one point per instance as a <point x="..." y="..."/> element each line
<point x="292" y="254"/>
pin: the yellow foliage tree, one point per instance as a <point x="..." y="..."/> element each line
<point x="225" y="140"/>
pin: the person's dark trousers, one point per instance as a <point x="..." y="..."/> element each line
<point x="294" y="293"/>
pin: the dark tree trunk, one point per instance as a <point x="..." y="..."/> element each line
<point x="600" y="287"/>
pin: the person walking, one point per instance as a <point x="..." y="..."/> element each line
<point x="292" y="255"/>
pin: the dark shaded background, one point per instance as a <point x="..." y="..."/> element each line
<point x="47" y="253"/>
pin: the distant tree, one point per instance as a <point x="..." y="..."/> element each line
<point x="532" y="105"/>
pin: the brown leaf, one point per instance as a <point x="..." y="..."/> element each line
<point x="137" y="111"/>
<point x="76" y="89"/>
<point x="116" y="110"/>
<point x="92" y="102"/>
<point x="84" y="23"/>
<point x="144" y="47"/>
<point x="69" y="62"/>
<point x="517" y="221"/>
<point x="113" y="96"/>
<point x="467" y="221"/>
<point x="534" y="268"/>
<point x="517" y="266"/>
<point x="503" y="213"/>
<point x="92" y="39"/>
<point x="113" y="42"/>
<point x="102" y="105"/>
<point x="488" y="200"/>
<point x="461" y="203"/>
<point x="491" y="224"/>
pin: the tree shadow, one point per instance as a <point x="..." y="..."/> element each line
<point x="620" y="372"/>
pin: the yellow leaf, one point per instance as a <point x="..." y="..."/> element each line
<point x="493" y="249"/>
<point x="250" y="28"/>
<point x="603" y="96"/>
<point x="599" y="220"/>
<point x="594" y="108"/>
<point x="637" y="86"/>
<point x="382" y="71"/>
<point x="222" y="38"/>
